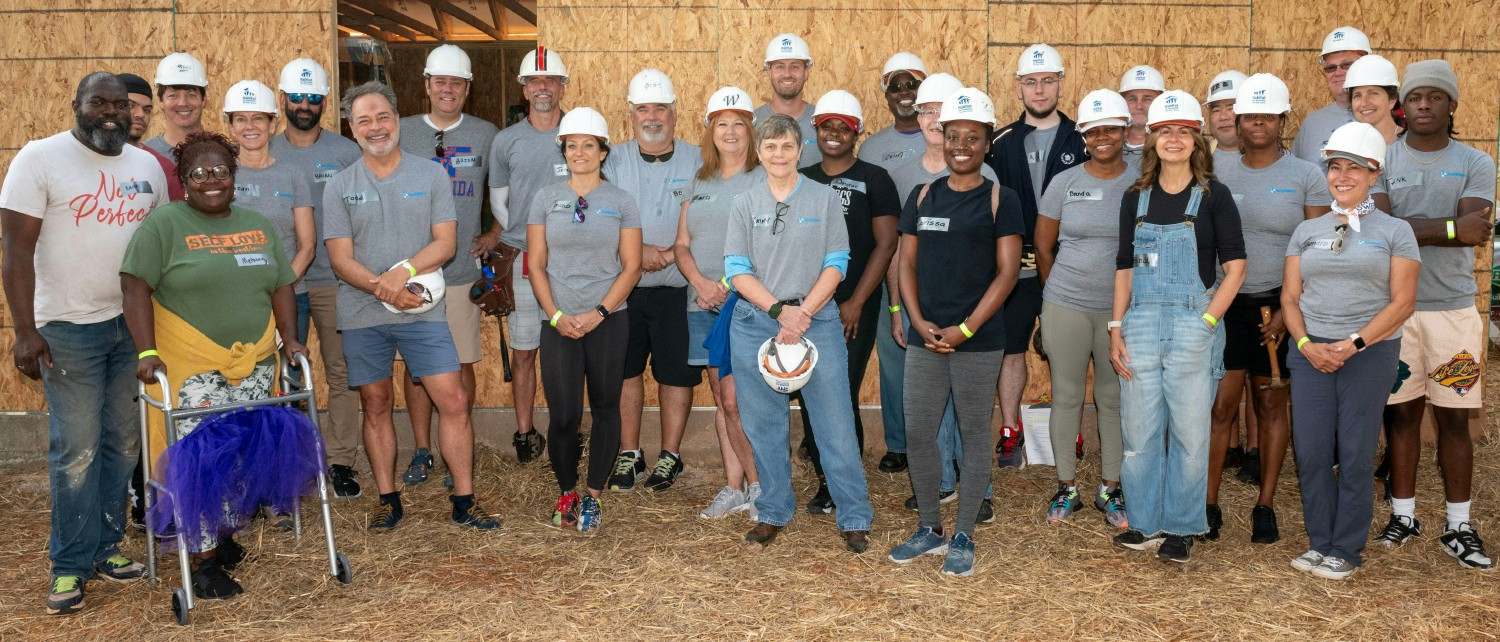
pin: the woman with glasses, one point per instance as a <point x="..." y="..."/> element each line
<point x="583" y="238"/>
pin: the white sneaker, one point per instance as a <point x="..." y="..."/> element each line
<point x="752" y="493"/>
<point x="1334" y="568"/>
<point x="1308" y="561"/>
<point x="727" y="501"/>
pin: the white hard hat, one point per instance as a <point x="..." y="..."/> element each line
<point x="1359" y="142"/>
<point x="542" y="62"/>
<point x="249" y="95"/>
<point x="839" y="103"/>
<point x="432" y="286"/>
<point x="1372" y="70"/>
<point x="726" y="98"/>
<point x="1039" y="58"/>
<point x="902" y="61"/>
<point x="448" y="60"/>
<point x="1175" y="107"/>
<point x="937" y="88"/>
<point x="1101" y="108"/>
<point x="1262" y="94"/>
<point x="583" y="120"/>
<point x="304" y="76"/>
<point x="1345" y="39"/>
<point x="1142" y="77"/>
<point x="1224" y="86"/>
<point x="787" y="46"/>
<point x="651" y="86"/>
<point x="968" y="104"/>
<point x="786" y="368"/>
<point x="181" y="68"/>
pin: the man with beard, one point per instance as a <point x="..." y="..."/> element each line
<point x="68" y="207"/>
<point x="1026" y="154"/>
<point x="140" y="119"/>
<point x="657" y="169"/>
<point x="1341" y="47"/>
<point x="524" y="158"/>
<point x="320" y="154"/>
<point x="181" y="84"/>
<point x="788" y="60"/>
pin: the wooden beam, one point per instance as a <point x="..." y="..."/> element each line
<point x="443" y="22"/>
<point x="379" y="9"/>
<point x="516" y="8"/>
<point x="497" y="12"/>
<point x="471" y="19"/>
<point x="369" y="29"/>
<point x="360" y="14"/>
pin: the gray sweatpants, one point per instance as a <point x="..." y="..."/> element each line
<point x="971" y="378"/>
<point x="1071" y="338"/>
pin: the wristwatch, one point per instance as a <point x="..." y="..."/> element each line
<point x="1359" y="342"/>
<point x="603" y="313"/>
<point x="774" y="310"/>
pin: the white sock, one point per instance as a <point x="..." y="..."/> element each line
<point x="1103" y="489"/>
<point x="637" y="452"/>
<point x="1404" y="507"/>
<point x="1458" y="513"/>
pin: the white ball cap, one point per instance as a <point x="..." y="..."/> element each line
<point x="1175" y="107"/>
<point x="181" y="68"/>
<point x="304" y="76"/>
<point x="937" y="88"/>
<point x="249" y="95"/>
<point x="448" y="60"/>
<point x="1101" y="108"/>
<point x="651" y="86"/>
<point x="729" y="98"/>
<point x="1372" y="70"/>
<point x="1345" y="39"/>
<point x="1224" y="86"/>
<point x="968" y="103"/>
<point x="1037" y="59"/>
<point x="1262" y="94"/>
<point x="1142" y="77"/>
<point x="902" y="61"/>
<point x="1359" y="142"/>
<point x="839" y="103"/>
<point x="434" y="285"/>
<point x="787" y="46"/>
<point x="542" y="62"/>
<point x="582" y="120"/>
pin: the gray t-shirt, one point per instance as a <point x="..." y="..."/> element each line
<point x="708" y="222"/>
<point x="1315" y="130"/>
<point x="274" y="191"/>
<point x="1224" y="157"/>
<point x="318" y="162"/>
<point x="810" y="153"/>
<point x="787" y="252"/>
<point x="1087" y="211"/>
<point x="1271" y="202"/>
<point x="891" y="149"/>
<point x="1429" y="185"/>
<point x="389" y="220"/>
<point x="907" y="177"/>
<point x="659" y="189"/>
<point x="160" y="144"/>
<point x="524" y="160"/>
<point x="465" y="146"/>
<point x="1342" y="292"/>
<point x="583" y="258"/>
<point x="1038" y="143"/>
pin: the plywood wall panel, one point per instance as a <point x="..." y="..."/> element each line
<point x="48" y="88"/>
<point x="223" y="42"/>
<point x="1208" y="24"/>
<point x="35" y="35"/>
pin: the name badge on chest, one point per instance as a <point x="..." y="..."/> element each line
<point x="1075" y="195"/>
<point x="932" y="224"/>
<point x="1401" y="182"/>
<point x="560" y="169"/>
<point x="1321" y="244"/>
<point x="466" y="161"/>
<point x="252" y="260"/>
<point x="359" y="198"/>
<point x="762" y="220"/>
<point x="131" y="188"/>
<point x="1149" y="259"/>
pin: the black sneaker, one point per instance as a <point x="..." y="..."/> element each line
<point x="1263" y="528"/>
<point x="629" y="469"/>
<point x="229" y="553"/>
<point x="1215" y="520"/>
<point x="529" y="445"/>
<point x="1398" y="530"/>
<point x="66" y="595"/>
<point x="212" y="582"/>
<point x="821" y="503"/>
<point x="1234" y="457"/>
<point x="944" y="496"/>
<point x="1135" y="541"/>
<point x="1466" y="547"/>
<point x="1175" y="548"/>
<point x="386" y="517"/>
<point x="664" y="473"/>
<point x="1250" y="468"/>
<point x="893" y="463"/>
<point x="986" y="512"/>
<point x="341" y="477"/>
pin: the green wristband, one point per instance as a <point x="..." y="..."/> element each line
<point x="1212" y="322"/>
<point x="894" y="309"/>
<point x="147" y="353"/>
<point x="964" y="328"/>
<point x="555" y="316"/>
<point x="1302" y="341"/>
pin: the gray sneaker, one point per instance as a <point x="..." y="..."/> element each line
<point x="66" y="595"/>
<point x="1308" y="561"/>
<point x="118" y="568"/>
<point x="960" y="559"/>
<point x="1334" y="568"/>
<point x="752" y="493"/>
<point x="727" y="501"/>
<point x="924" y="542"/>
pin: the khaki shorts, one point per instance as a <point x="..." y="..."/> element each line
<point x="1443" y="349"/>
<point x="463" y="321"/>
<point x="523" y="327"/>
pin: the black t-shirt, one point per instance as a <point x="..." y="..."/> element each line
<point x="1217" y="226"/>
<point x="956" y="255"/>
<point x="867" y="191"/>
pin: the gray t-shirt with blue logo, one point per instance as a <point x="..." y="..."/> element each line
<point x="810" y="153"/>
<point x="787" y="251"/>
<point x="1315" y="130"/>
<point x="891" y="149"/>
<point x="318" y="162"/>
<point x="525" y="160"/>
<point x="1342" y="292"/>
<point x="583" y="257"/>
<point x="1087" y="211"/>
<point x="709" y="203"/>
<point x="465" y="146"/>
<point x="659" y="189"/>
<point x="274" y="191"/>
<point x="1271" y="201"/>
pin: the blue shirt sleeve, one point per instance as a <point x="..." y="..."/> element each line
<point x="737" y="264"/>
<point x="839" y="260"/>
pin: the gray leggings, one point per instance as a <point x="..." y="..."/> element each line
<point x="1071" y="338"/>
<point x="971" y="378"/>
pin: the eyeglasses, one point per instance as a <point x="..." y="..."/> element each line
<point x="778" y="225"/>
<point x="1048" y="82"/>
<point x="201" y="175"/>
<point x="312" y="99"/>
<point x="578" y="209"/>
<point x="903" y="86"/>
<point x="437" y="142"/>
<point x="1338" y="244"/>
<point x="1328" y="69"/>
<point x="930" y="112"/>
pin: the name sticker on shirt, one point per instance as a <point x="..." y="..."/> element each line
<point x="1084" y="195"/>
<point x="705" y="198"/>
<point x="932" y="224"/>
<point x="251" y="191"/>
<point x="560" y="169"/>
<point x="1321" y="244"/>
<point x="357" y="198"/>
<point x="135" y="187"/>
<point x="1409" y="180"/>
<point x="848" y="185"/>
<point x="466" y="161"/>
<point x="1149" y="259"/>
<point x="762" y="220"/>
<point x="562" y="205"/>
<point x="252" y="260"/>
<point x="324" y="171"/>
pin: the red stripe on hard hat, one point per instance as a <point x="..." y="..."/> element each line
<point x="541" y="58"/>
<point x="851" y="121"/>
<point x="1185" y="123"/>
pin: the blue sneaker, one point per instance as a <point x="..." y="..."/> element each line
<point x="924" y="542"/>
<point x="416" y="471"/>
<point x="589" y="514"/>
<point x="476" y="519"/>
<point x="960" y="559"/>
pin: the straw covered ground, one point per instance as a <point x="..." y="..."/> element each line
<point x="656" y="570"/>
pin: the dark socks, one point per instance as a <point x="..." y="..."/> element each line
<point x="461" y="504"/>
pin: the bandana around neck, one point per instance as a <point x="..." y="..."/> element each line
<point x="1356" y="213"/>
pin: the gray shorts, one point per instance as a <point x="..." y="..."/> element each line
<point x="524" y="326"/>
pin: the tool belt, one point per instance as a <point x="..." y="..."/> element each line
<point x="495" y="291"/>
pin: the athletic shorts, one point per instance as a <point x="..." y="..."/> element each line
<point x="426" y="346"/>
<point x="463" y="322"/>
<point x="1242" y="347"/>
<point x="523" y="327"/>
<point x="659" y="331"/>
<point x="700" y="324"/>
<point x="1443" y="349"/>
<point x="1020" y="313"/>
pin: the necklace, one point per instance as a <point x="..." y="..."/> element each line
<point x="1406" y="147"/>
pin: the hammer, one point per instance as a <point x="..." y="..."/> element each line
<point x="1277" y="383"/>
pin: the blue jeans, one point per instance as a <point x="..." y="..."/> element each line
<point x="893" y="409"/>
<point x="766" y="419"/>
<point x="94" y="440"/>
<point x="304" y="317"/>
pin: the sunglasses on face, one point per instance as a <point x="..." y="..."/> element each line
<point x="779" y="224"/>
<point x="437" y="143"/>
<point x="909" y="85"/>
<point x="1338" y="244"/>
<point x="312" y="99"/>
<point x="1329" y="69"/>
<point x="201" y="175"/>
<point x="578" y="210"/>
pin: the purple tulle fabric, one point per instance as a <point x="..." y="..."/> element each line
<point x="231" y="465"/>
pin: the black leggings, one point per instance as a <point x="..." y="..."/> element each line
<point x="599" y="360"/>
<point x="859" y="349"/>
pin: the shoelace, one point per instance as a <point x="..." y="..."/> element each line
<point x="117" y="560"/>
<point x="1397" y="529"/>
<point x="626" y="464"/>
<point x="663" y="467"/>
<point x="1333" y="562"/>
<point x="383" y="513"/>
<point x="1470" y="541"/>
<point x="1062" y="498"/>
<point x="64" y="584"/>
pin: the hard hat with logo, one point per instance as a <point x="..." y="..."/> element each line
<point x="431" y="286"/>
<point x="448" y="60"/>
<point x="842" y="105"/>
<point x="1262" y="94"/>
<point x="181" y="68"/>
<point x="304" y="76"/>
<point x="937" y="88"/>
<point x="729" y="98"/>
<point x="1372" y="70"/>
<point x="968" y="104"/>
<point x="249" y="95"/>
<point x="1224" y="86"/>
<point x="1175" y="107"/>
<point x="1039" y="58"/>
<point x="1345" y="39"/>
<point x="1142" y="77"/>
<point x="787" y="46"/>
<point x="902" y="61"/>
<point x="1359" y="142"/>
<point x="542" y="62"/>
<point x="1101" y="108"/>
<point x="583" y="120"/>
<point x="651" y="86"/>
<point x="786" y="368"/>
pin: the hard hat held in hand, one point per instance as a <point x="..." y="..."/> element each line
<point x="1345" y="39"/>
<point x="1359" y="142"/>
<point x="839" y="103"/>
<point x="1224" y="86"/>
<point x="583" y="120"/>
<point x="968" y="103"/>
<point x="448" y="60"/>
<point x="1372" y="71"/>
<point x="786" y="368"/>
<point x="542" y="62"/>
<point x="937" y="88"/>
<point x="902" y="61"/>
<point x="430" y="286"/>
<point x="1039" y="58"/>
<point x="249" y="95"/>
<point x="651" y="86"/>
<point x="181" y="68"/>
<point x="729" y="98"/>
<point x="1102" y="108"/>
<point x="304" y="76"/>
<point x="787" y="46"/>
<point x="1142" y="77"/>
<point x="1175" y="107"/>
<point x="1262" y="94"/>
